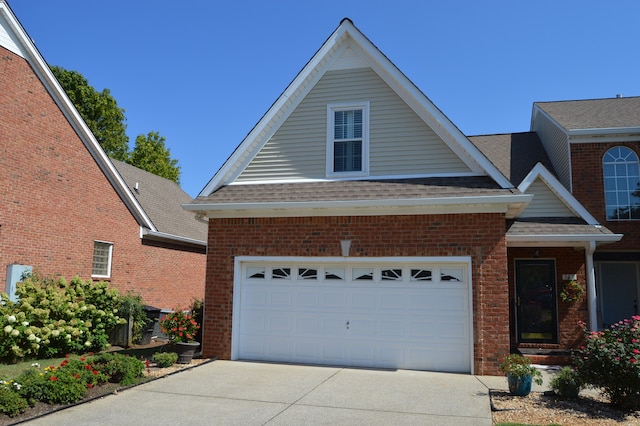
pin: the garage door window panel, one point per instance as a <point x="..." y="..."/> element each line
<point x="451" y="275"/>
<point x="389" y="274"/>
<point x="334" y="274"/>
<point x="307" y="274"/>
<point x="421" y="275"/>
<point x="256" y="272"/>
<point x="362" y="274"/>
<point x="281" y="273"/>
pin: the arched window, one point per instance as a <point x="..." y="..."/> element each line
<point x="621" y="184"/>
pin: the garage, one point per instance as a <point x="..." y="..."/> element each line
<point x="405" y="313"/>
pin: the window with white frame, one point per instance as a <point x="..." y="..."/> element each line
<point x="102" y="253"/>
<point x="621" y="183"/>
<point x="348" y="139"/>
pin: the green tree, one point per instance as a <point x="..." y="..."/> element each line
<point x="99" y="110"/>
<point x="151" y="154"/>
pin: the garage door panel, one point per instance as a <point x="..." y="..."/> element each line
<point x="388" y="320"/>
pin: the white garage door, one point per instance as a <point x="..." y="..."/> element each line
<point x="395" y="314"/>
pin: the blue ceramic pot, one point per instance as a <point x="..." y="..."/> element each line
<point x="519" y="386"/>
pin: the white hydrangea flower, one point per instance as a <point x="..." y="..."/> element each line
<point x="8" y="329"/>
<point x="15" y="333"/>
<point x="11" y="318"/>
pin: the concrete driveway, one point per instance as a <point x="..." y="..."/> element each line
<point x="249" y="393"/>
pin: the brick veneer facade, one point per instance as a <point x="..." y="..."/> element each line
<point x="588" y="188"/>
<point x="55" y="201"/>
<point x="480" y="236"/>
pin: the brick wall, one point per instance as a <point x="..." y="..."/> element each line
<point x="567" y="261"/>
<point x="480" y="236"/>
<point x="588" y="188"/>
<point x="55" y="202"/>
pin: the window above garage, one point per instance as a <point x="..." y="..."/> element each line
<point x="348" y="139"/>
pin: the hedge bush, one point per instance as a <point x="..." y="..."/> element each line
<point x="54" y="317"/>
<point x="610" y="360"/>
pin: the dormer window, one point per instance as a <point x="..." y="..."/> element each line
<point x="348" y="139"/>
<point x="621" y="183"/>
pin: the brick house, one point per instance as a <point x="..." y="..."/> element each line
<point x="356" y="225"/>
<point x="68" y="210"/>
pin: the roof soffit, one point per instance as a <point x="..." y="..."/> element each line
<point x="328" y="57"/>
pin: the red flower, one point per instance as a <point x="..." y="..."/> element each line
<point x="88" y="367"/>
<point x="53" y="379"/>
<point x="95" y="372"/>
<point x="63" y="363"/>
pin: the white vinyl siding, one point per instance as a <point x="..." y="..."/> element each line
<point x="555" y="143"/>
<point x="400" y="143"/>
<point x="545" y="203"/>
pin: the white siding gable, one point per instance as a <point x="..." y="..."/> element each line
<point x="545" y="202"/>
<point x="556" y="142"/>
<point x="401" y="144"/>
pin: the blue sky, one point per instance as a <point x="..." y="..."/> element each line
<point x="202" y="73"/>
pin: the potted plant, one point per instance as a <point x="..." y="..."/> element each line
<point x="572" y="292"/>
<point x="181" y="328"/>
<point x="520" y="374"/>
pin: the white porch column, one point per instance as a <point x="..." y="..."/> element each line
<point x="592" y="301"/>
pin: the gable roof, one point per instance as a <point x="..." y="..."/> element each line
<point x="161" y="200"/>
<point x="13" y="37"/>
<point x="347" y="36"/>
<point x="610" y="113"/>
<point x="514" y="154"/>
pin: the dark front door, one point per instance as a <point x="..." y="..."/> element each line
<point x="536" y="318"/>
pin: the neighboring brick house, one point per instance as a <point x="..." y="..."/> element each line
<point x="356" y="225"/>
<point x="67" y="210"/>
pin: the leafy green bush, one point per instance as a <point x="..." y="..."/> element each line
<point x="56" y="385"/>
<point x="610" y="360"/>
<point x="132" y="306"/>
<point x="165" y="359"/>
<point x="119" y="368"/>
<point x="566" y="383"/>
<point x="54" y="317"/>
<point x="11" y="403"/>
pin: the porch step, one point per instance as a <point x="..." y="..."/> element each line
<point x="546" y="356"/>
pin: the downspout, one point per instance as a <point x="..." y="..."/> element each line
<point x="592" y="302"/>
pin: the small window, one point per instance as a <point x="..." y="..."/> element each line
<point x="621" y="184"/>
<point x="363" y="274"/>
<point x="256" y="272"/>
<point x="451" y="275"/>
<point x="307" y="274"/>
<point x="347" y="139"/>
<point x="102" y="253"/>
<point x="391" y="274"/>
<point x="420" y="275"/>
<point x="334" y="274"/>
<point x="281" y="273"/>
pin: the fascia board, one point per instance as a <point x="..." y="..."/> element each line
<point x="532" y="240"/>
<point x="557" y="188"/>
<point x="604" y="131"/>
<point x="177" y="238"/>
<point x="490" y="204"/>
<point x="60" y="97"/>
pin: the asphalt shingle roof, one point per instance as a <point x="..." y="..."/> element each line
<point x="514" y="154"/>
<point x="356" y="190"/>
<point x="161" y="200"/>
<point x="554" y="226"/>
<point x="595" y="113"/>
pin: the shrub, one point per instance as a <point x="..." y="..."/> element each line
<point x="566" y="383"/>
<point x="197" y="311"/>
<point x="165" y="359"/>
<point x="54" y="317"/>
<point x="131" y="306"/>
<point x="11" y="403"/>
<point x="119" y="368"/>
<point x="610" y="360"/>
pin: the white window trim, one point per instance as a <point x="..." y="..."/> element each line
<point x="109" y="259"/>
<point x="331" y="108"/>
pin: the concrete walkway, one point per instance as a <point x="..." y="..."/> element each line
<point x="248" y="393"/>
